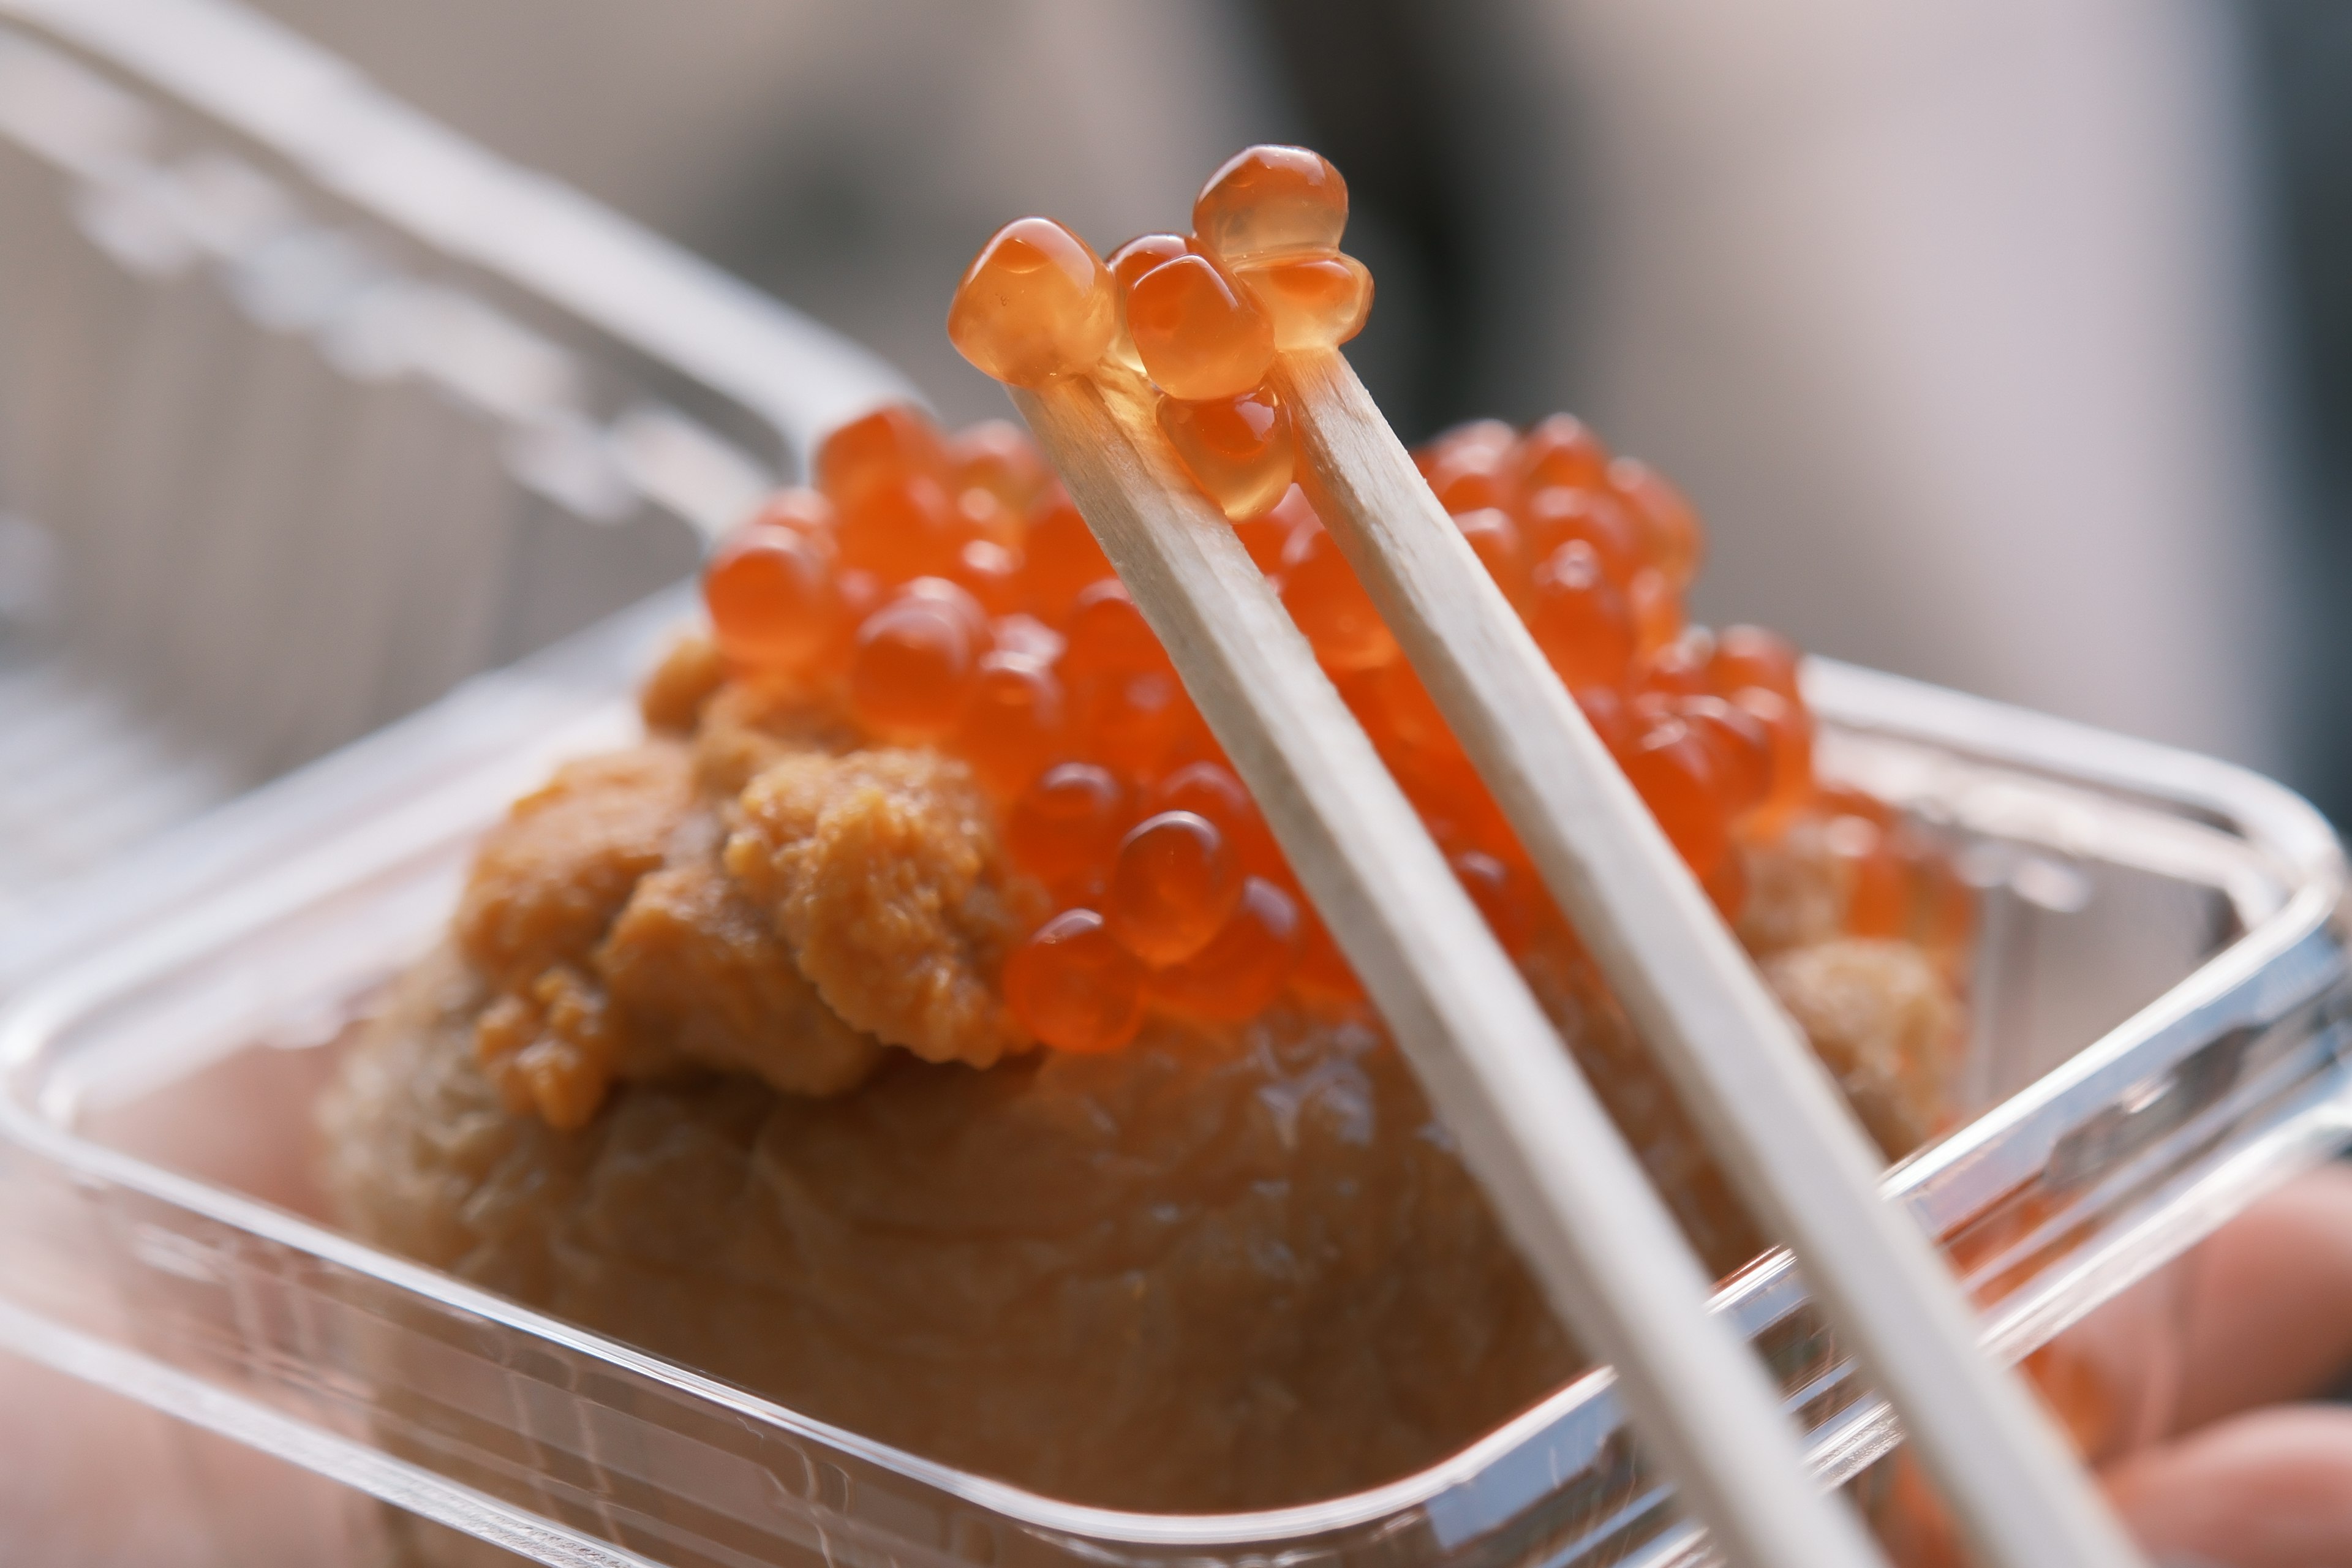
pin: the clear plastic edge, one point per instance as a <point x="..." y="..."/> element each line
<point x="2291" y="958"/>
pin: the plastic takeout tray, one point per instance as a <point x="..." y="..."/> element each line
<point x="2158" y="999"/>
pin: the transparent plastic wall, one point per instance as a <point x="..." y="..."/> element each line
<point x="308" y="411"/>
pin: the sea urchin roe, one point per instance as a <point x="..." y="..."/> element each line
<point x="1035" y="303"/>
<point x="1172" y="884"/>
<point x="1199" y="335"/>
<point x="1074" y="987"/>
<point x="1269" y="201"/>
<point x="1237" y="450"/>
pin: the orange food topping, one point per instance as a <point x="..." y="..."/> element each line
<point x="1173" y="885"/>
<point x="772" y="596"/>
<point x="1238" y="449"/>
<point x="1199" y="335"/>
<point x="1074" y="987"/>
<point x="1035" y="303"/>
<point x="1271" y="201"/>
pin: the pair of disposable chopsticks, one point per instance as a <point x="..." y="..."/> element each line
<point x="1769" y="1111"/>
<point x="1570" y="1193"/>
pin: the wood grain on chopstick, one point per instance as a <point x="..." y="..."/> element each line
<point x="1768" y="1108"/>
<point x="1565" y="1186"/>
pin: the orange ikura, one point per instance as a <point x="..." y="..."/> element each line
<point x="946" y="593"/>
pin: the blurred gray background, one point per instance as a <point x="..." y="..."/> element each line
<point x="1996" y="339"/>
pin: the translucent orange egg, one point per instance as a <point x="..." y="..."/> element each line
<point x="1271" y="200"/>
<point x="1323" y="972"/>
<point x="1673" y="541"/>
<point x="998" y="457"/>
<point x="1604" y="708"/>
<point x="1068" y="821"/>
<point x="1670" y="769"/>
<point x="1199" y="335"/>
<point x="1322" y="595"/>
<point x="860" y="595"/>
<point x="1132" y="720"/>
<point x="1561" y="450"/>
<point x="772" y="596"/>
<point x="957" y="601"/>
<point x="893" y="442"/>
<point x="1579" y="620"/>
<point x="1496" y="539"/>
<point x="1109" y="635"/>
<point x="1015" y="724"/>
<point x="1790" y="728"/>
<point x="1209" y="789"/>
<point x="1074" y="987"/>
<point x="1751" y="656"/>
<point x="1035" y="303"/>
<point x="1877" y="892"/>
<point x="805" y="510"/>
<point x="1739" y="745"/>
<point x="1677" y="669"/>
<point x="981" y="515"/>
<point x="1555" y="514"/>
<point x="1488" y="442"/>
<point x="1238" y="449"/>
<point x="1173" y="882"/>
<point x="1657" y="607"/>
<point x="1266" y="536"/>
<point x="1472" y="477"/>
<point x="910" y="677"/>
<point x="902" y="526"/>
<point x="1314" y="301"/>
<point x="1502" y="893"/>
<point x="1130" y="262"/>
<point x="1244" y="967"/>
<point x="991" y="573"/>
<point x="1026" y="635"/>
<point x="1060" y="558"/>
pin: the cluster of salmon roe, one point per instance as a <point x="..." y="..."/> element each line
<point x="1202" y="315"/>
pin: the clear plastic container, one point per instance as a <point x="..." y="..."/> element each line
<point x="310" y="410"/>
<point x="2159" y="999"/>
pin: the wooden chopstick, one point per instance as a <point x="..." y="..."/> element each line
<point x="1570" y="1193"/>
<point x="1769" y="1110"/>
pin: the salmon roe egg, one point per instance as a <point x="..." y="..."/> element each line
<point x="1108" y="633"/>
<point x="1238" y="449"/>
<point x="1243" y="966"/>
<point x="1068" y="822"/>
<point x="991" y="573"/>
<point x="1322" y="968"/>
<point x="1502" y="895"/>
<point x="1657" y="607"/>
<point x="1555" y="514"/>
<point x="1035" y="303"/>
<point x="891" y="442"/>
<point x="1132" y="720"/>
<point x="1751" y="656"/>
<point x="1210" y="790"/>
<point x="1199" y="335"/>
<point x="1269" y="200"/>
<point x="1739" y="747"/>
<point x="1671" y="771"/>
<point x="1560" y="450"/>
<point x="1172" y="883"/>
<point x="900" y="527"/>
<point x="1579" y="620"/>
<point x="773" y="597"/>
<point x="996" y="456"/>
<point x="1331" y="607"/>
<point x="1265" y="536"/>
<point x="911" y="674"/>
<point x="806" y="510"/>
<point x="1312" y="301"/>
<point x="1074" y="987"/>
<point x="1671" y="536"/>
<point x="1014" y="723"/>
<point x="1791" y="731"/>
<point x="1060" y="558"/>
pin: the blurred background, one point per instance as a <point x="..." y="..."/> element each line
<point x="2004" y="343"/>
